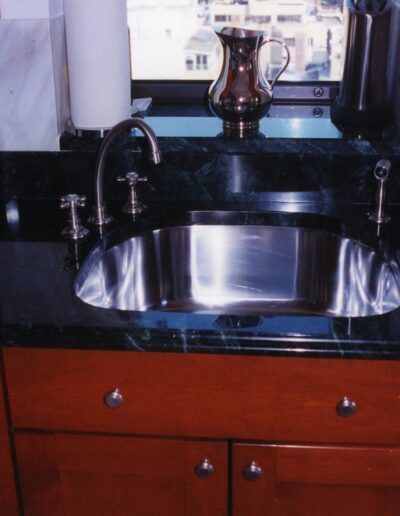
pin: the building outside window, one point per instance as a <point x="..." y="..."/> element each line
<point x="189" y="64"/>
<point x="259" y="19"/>
<point x="285" y="18"/>
<point x="175" y="40"/>
<point x="201" y="61"/>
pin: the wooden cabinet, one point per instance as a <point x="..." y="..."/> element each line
<point x="101" y="475"/>
<point x="77" y="454"/>
<point x="228" y="397"/>
<point x="8" y="496"/>
<point x="315" y="480"/>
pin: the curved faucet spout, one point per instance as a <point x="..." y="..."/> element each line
<point x="154" y="155"/>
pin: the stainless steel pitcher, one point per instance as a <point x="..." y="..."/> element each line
<point x="242" y="94"/>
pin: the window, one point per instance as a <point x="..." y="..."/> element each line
<point x="201" y="62"/>
<point x="259" y="19"/>
<point x="175" y="40"/>
<point x="284" y="18"/>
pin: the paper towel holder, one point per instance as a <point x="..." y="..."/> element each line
<point x="89" y="134"/>
<point x="92" y="134"/>
<point x="98" y="64"/>
<point x="140" y="105"/>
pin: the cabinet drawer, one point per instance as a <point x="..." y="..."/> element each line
<point x="240" y="397"/>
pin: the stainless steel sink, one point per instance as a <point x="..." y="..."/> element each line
<point x="240" y="269"/>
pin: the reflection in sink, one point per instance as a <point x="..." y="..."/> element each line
<point x="240" y="269"/>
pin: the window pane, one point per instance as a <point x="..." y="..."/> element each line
<point x="174" y="39"/>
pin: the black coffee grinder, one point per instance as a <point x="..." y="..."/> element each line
<point x="363" y="98"/>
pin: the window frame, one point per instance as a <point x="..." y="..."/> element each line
<point x="195" y="91"/>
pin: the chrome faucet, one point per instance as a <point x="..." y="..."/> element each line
<point x="100" y="217"/>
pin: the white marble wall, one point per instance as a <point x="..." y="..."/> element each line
<point x="31" y="9"/>
<point x="34" y="103"/>
<point x="60" y="71"/>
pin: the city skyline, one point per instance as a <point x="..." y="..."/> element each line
<point x="174" y="39"/>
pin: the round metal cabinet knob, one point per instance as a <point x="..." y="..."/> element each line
<point x="204" y="469"/>
<point x="346" y="407"/>
<point x="252" y="472"/>
<point x="113" y="399"/>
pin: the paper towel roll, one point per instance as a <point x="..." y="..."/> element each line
<point x="98" y="62"/>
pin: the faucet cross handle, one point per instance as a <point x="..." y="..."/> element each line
<point x="132" y="179"/>
<point x="72" y="200"/>
<point x="75" y="230"/>
<point x="133" y="206"/>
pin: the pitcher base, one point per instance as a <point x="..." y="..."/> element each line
<point x="241" y="129"/>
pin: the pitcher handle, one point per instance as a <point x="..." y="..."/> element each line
<point x="280" y="72"/>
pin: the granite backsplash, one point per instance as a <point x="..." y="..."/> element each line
<point x="199" y="171"/>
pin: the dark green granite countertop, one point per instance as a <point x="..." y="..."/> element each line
<point x="329" y="172"/>
<point x="38" y="306"/>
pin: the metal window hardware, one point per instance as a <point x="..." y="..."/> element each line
<point x="75" y="230"/>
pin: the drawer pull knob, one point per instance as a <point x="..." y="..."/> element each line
<point x="252" y="472"/>
<point x="204" y="469"/>
<point x="346" y="407"/>
<point x="113" y="399"/>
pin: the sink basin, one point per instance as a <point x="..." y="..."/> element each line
<point x="239" y="269"/>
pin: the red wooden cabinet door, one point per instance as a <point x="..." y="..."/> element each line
<point x="73" y="475"/>
<point x="315" y="481"/>
<point x="8" y="497"/>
